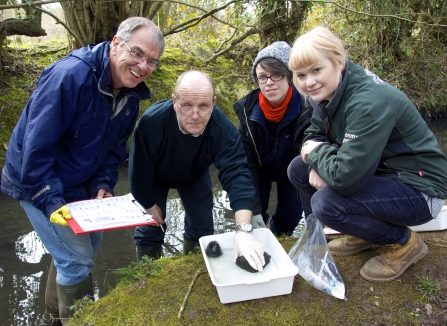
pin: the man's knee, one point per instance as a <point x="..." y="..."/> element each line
<point x="149" y="235"/>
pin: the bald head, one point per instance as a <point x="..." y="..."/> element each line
<point x="193" y="81"/>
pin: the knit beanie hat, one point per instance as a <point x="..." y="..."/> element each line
<point x="279" y="50"/>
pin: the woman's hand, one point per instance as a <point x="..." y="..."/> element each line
<point x="315" y="180"/>
<point x="308" y="147"/>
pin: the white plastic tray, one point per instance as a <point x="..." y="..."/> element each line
<point x="234" y="284"/>
<point x="437" y="224"/>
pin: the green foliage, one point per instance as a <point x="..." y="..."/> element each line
<point x="80" y="305"/>
<point x="415" y="312"/>
<point x="136" y="272"/>
<point x="391" y="39"/>
<point x="429" y="288"/>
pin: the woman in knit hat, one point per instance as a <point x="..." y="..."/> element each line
<point x="272" y="120"/>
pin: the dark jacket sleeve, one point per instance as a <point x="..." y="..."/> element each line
<point x="142" y="165"/>
<point x="243" y="109"/>
<point x="234" y="175"/>
<point x="301" y="125"/>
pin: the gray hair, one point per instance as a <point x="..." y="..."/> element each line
<point x="132" y="24"/>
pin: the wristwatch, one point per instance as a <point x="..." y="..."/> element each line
<point x="246" y="227"/>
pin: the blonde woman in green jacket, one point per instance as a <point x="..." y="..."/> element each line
<point x="369" y="166"/>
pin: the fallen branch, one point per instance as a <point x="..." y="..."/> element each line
<point x="105" y="276"/>
<point x="187" y="294"/>
<point x="440" y="313"/>
<point x="436" y="244"/>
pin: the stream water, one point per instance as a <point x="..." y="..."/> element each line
<point x="24" y="261"/>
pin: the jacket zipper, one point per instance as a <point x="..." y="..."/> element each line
<point x="252" y="139"/>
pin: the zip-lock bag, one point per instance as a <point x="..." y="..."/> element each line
<point x="314" y="261"/>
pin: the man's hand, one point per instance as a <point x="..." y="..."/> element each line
<point x="315" y="180"/>
<point x="257" y="222"/>
<point x="155" y="211"/>
<point x="102" y="193"/>
<point x="308" y="147"/>
<point x="246" y="245"/>
<point x="60" y="216"/>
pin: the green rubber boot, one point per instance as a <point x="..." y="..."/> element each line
<point x="51" y="314"/>
<point x="151" y="251"/>
<point x="68" y="294"/>
<point x="190" y="246"/>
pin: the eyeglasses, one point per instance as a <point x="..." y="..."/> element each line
<point x="187" y="109"/>
<point x="263" y="79"/>
<point x="138" y="57"/>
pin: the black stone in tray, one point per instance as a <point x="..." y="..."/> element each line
<point x="213" y="249"/>
<point x="243" y="263"/>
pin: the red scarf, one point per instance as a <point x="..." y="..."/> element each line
<point x="275" y="114"/>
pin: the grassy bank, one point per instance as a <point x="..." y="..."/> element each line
<point x="156" y="300"/>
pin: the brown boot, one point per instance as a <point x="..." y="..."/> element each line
<point x="394" y="259"/>
<point x="349" y="245"/>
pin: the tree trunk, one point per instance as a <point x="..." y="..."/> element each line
<point x="28" y="27"/>
<point x="280" y="20"/>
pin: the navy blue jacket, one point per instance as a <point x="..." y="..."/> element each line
<point x="264" y="149"/>
<point x="71" y="136"/>
<point x="161" y="153"/>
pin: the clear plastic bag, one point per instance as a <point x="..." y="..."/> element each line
<point x="314" y="261"/>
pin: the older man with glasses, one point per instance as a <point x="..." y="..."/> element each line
<point x="68" y="144"/>
<point x="174" y="144"/>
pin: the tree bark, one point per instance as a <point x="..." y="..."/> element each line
<point x="280" y="20"/>
<point x="27" y="27"/>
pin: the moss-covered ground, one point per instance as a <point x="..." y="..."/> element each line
<point x="156" y="300"/>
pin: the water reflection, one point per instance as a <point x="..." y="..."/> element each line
<point x="24" y="261"/>
<point x="29" y="248"/>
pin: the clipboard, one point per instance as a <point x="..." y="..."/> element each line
<point x="95" y="215"/>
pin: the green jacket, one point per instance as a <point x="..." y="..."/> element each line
<point x="373" y="129"/>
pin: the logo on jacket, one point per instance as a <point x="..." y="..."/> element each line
<point x="348" y="137"/>
<point x="376" y="78"/>
<point x="40" y="192"/>
<point x="288" y="136"/>
<point x="203" y="155"/>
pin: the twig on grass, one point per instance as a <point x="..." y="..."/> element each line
<point x="441" y="313"/>
<point x="187" y="293"/>
<point x="105" y="276"/>
<point x="436" y="244"/>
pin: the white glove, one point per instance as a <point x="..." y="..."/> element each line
<point x="257" y="222"/>
<point x="246" y="245"/>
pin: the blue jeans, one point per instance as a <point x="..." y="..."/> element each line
<point x="288" y="211"/>
<point x="73" y="254"/>
<point x="197" y="199"/>
<point x="380" y="214"/>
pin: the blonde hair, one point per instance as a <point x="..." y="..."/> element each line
<point x="314" y="46"/>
